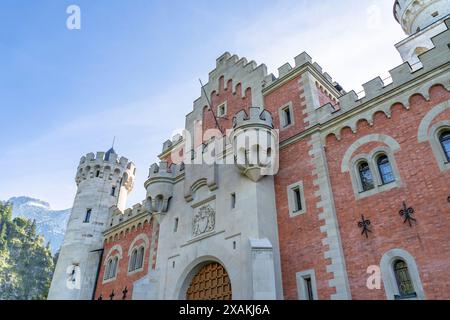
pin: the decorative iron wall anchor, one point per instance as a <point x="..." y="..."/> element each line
<point x="125" y="291"/>
<point x="407" y="213"/>
<point x="364" y="225"/>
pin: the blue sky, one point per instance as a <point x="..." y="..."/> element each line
<point x="132" y="72"/>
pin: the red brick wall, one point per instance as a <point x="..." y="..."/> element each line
<point x="293" y="92"/>
<point x="300" y="238"/>
<point x="324" y="97"/>
<point x="424" y="187"/>
<point x="123" y="279"/>
<point x="235" y="103"/>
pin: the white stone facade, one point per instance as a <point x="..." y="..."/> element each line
<point x="97" y="176"/>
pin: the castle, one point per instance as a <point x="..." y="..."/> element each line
<point x="282" y="187"/>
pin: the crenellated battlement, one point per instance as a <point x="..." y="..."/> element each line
<point x="168" y="144"/>
<point x="117" y="217"/>
<point x="106" y="166"/>
<point x="244" y="74"/>
<point x="439" y="56"/>
<point x="300" y="61"/>
<point x="257" y="117"/>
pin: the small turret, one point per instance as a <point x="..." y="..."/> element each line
<point x="159" y="185"/>
<point x="255" y="143"/>
<point x="421" y="20"/>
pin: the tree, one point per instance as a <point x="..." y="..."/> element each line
<point x="26" y="265"/>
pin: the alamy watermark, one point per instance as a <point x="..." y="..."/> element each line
<point x="73" y="21"/>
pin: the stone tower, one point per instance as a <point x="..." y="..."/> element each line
<point x="421" y="20"/>
<point x="103" y="180"/>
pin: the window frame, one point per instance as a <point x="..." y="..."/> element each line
<point x="112" y="265"/>
<point x="377" y="162"/>
<point x="87" y="216"/>
<point x="292" y="203"/>
<point x="389" y="277"/>
<point x="401" y="295"/>
<point x="281" y="115"/>
<point x="135" y="262"/>
<point x="371" y="158"/>
<point x="436" y="145"/>
<point x="219" y="107"/>
<point x="302" y="289"/>
<point x="447" y="156"/>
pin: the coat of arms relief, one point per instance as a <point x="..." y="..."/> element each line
<point x="204" y="221"/>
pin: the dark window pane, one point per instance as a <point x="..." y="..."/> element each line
<point x="404" y="283"/>
<point x="297" y="199"/>
<point x="287" y="117"/>
<point x="385" y="169"/>
<point x="87" y="218"/>
<point x="445" y="142"/>
<point x="309" y="289"/>
<point x="366" y="176"/>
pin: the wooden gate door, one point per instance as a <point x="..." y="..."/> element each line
<point x="210" y="283"/>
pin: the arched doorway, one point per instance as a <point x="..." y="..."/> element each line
<point x="210" y="283"/>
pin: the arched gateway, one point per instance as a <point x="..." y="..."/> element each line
<point x="210" y="283"/>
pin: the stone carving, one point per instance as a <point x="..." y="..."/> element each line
<point x="204" y="221"/>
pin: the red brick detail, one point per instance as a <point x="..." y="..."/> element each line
<point x="300" y="237"/>
<point x="123" y="279"/>
<point x="291" y="91"/>
<point x="424" y="187"/>
<point x="325" y="97"/>
<point x="235" y="103"/>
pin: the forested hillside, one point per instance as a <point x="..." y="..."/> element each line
<point x="26" y="263"/>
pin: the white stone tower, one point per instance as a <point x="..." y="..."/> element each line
<point x="421" y="20"/>
<point x="103" y="180"/>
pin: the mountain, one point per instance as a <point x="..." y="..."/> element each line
<point x="51" y="224"/>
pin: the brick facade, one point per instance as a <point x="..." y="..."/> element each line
<point x="329" y="131"/>
<point x="119" y="243"/>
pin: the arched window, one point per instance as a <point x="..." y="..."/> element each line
<point x="140" y="258"/>
<point x="111" y="268"/>
<point x="385" y="169"/>
<point x="133" y="259"/>
<point x="137" y="259"/>
<point x="404" y="283"/>
<point x="366" y="176"/>
<point x="445" y="143"/>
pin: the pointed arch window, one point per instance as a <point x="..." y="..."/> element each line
<point x="111" y="268"/>
<point x="137" y="259"/>
<point x="404" y="282"/>
<point x="385" y="169"/>
<point x="133" y="259"/>
<point x="140" y="258"/>
<point x="366" y="176"/>
<point x="444" y="139"/>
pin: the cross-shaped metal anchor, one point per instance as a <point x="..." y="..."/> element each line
<point x="364" y="225"/>
<point x="407" y="213"/>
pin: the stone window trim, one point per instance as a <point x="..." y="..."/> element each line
<point x="106" y="269"/>
<point x="388" y="275"/>
<point x="283" y="125"/>
<point x="371" y="159"/>
<point x="137" y="249"/>
<point x="135" y="245"/>
<point x="301" y="287"/>
<point x="109" y="256"/>
<point x="434" y="139"/>
<point x="293" y="212"/>
<point x="223" y="106"/>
